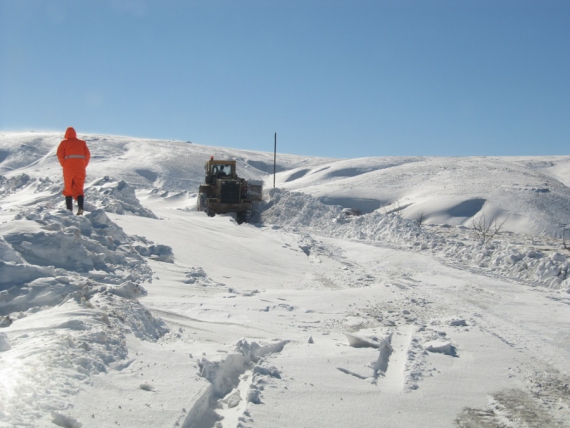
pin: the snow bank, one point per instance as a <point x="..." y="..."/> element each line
<point x="68" y="299"/>
<point x="58" y="239"/>
<point x="512" y="255"/>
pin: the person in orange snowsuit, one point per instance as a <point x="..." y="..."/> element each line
<point x="73" y="156"/>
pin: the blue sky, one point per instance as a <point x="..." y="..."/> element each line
<point x="333" y="78"/>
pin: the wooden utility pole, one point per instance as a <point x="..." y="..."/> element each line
<point x="274" y="159"/>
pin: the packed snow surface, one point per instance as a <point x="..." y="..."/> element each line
<point x="372" y="292"/>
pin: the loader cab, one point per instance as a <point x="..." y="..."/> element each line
<point x="219" y="169"/>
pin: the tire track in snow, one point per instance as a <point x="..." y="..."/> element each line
<point x="395" y="377"/>
<point x="178" y="319"/>
<point x="389" y="371"/>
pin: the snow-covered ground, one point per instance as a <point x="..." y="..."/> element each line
<point x="147" y="313"/>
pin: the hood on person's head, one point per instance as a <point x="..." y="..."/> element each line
<point x="70" y="133"/>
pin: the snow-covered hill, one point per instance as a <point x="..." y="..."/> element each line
<point x="145" y="312"/>
<point x="450" y="191"/>
<point x="530" y="195"/>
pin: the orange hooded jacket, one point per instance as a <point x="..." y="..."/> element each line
<point x="73" y="156"/>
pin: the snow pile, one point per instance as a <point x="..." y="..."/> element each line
<point x="10" y="185"/>
<point x="90" y="244"/>
<point x="116" y="197"/>
<point x="42" y="249"/>
<point x="65" y="421"/>
<point x="71" y="283"/>
<point x="510" y="257"/>
<point x="440" y="347"/>
<point x="198" y="276"/>
<point x="236" y="380"/>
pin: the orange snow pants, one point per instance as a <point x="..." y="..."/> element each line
<point x="73" y="179"/>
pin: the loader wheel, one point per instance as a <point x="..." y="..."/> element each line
<point x="201" y="204"/>
<point x="244" y="217"/>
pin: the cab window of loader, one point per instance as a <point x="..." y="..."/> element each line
<point x="221" y="170"/>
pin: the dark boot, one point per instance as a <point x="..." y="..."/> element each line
<point x="69" y="203"/>
<point x="80" y="200"/>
